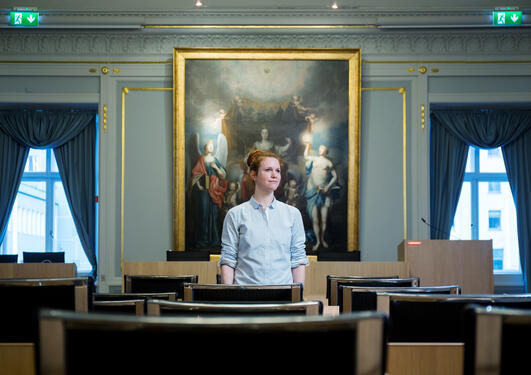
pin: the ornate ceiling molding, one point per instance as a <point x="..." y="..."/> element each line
<point x="135" y="45"/>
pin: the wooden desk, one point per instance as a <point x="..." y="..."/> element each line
<point x="17" y="358"/>
<point x="36" y="270"/>
<point x="316" y="272"/>
<point x="425" y="358"/>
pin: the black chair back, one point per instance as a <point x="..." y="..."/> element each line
<point x="243" y="293"/>
<point x="329" y="279"/>
<point x="187" y="256"/>
<point x="170" y="296"/>
<point x="436" y="318"/>
<point x="132" y="306"/>
<point x="43" y="257"/>
<point x="22" y="299"/>
<point x="152" y="343"/>
<point x="494" y="340"/>
<point x="159" y="307"/>
<point x="157" y="284"/>
<point x="8" y="258"/>
<point x="336" y="298"/>
<point x="360" y="298"/>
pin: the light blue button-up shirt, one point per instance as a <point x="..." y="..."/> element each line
<point x="263" y="245"/>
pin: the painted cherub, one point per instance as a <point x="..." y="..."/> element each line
<point x="229" y="200"/>
<point x="291" y="192"/>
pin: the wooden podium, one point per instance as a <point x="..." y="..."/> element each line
<point x="444" y="262"/>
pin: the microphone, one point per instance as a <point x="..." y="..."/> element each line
<point x="437" y="230"/>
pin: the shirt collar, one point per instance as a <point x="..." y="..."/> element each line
<point x="257" y="205"/>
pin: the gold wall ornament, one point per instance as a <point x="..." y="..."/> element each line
<point x="93" y="70"/>
<point x="402" y="91"/>
<point x="435" y="70"/>
<point x="105" y="119"/>
<point x="116" y="70"/>
<point x="422" y="116"/>
<point x="423" y="70"/>
<point x="105" y="70"/>
<point x="411" y="70"/>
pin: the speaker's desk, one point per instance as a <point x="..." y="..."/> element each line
<point x="467" y="263"/>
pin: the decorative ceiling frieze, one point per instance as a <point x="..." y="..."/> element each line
<point x="137" y="44"/>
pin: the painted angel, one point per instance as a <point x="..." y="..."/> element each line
<point x="208" y="186"/>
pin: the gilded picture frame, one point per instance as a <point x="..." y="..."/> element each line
<point x="304" y="104"/>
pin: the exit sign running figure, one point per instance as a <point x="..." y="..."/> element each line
<point x="507" y="18"/>
<point x="24" y="19"/>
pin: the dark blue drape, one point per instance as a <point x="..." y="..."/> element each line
<point x="12" y="160"/>
<point x="448" y="163"/>
<point x="72" y="135"/>
<point x="451" y="134"/>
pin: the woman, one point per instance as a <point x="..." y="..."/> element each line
<point x="263" y="240"/>
<point x="264" y="144"/>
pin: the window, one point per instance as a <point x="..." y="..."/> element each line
<point x="486" y="208"/>
<point x="494" y="187"/>
<point x="497" y="257"/>
<point x="493" y="153"/>
<point x="495" y="219"/>
<point x="41" y="219"/>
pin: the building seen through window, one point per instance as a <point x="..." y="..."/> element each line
<point x="494" y="187"/>
<point x="41" y="219"/>
<point x="486" y="208"/>
<point x="495" y="219"/>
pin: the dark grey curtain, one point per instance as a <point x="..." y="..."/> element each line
<point x="451" y="133"/>
<point x="448" y="162"/>
<point x="72" y="135"/>
<point x="517" y="157"/>
<point x="13" y="157"/>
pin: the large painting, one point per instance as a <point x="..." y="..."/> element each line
<point x="302" y="104"/>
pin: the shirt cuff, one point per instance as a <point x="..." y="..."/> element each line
<point x="229" y="262"/>
<point x="300" y="262"/>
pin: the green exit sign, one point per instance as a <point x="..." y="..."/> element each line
<point x="24" y="19"/>
<point x="507" y="18"/>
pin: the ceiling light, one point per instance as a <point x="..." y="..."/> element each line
<point x="334" y="5"/>
<point x="198" y="4"/>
